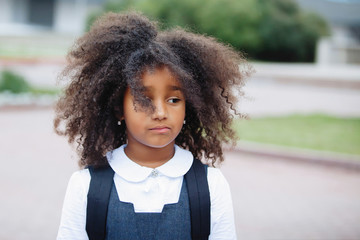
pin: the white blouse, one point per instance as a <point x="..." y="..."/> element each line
<point x="148" y="190"/>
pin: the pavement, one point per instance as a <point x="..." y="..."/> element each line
<point x="282" y="89"/>
<point x="274" y="198"/>
<point x="322" y="75"/>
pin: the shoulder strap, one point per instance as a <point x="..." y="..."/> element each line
<point x="199" y="200"/>
<point x="97" y="201"/>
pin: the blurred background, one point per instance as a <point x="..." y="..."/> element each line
<point x="295" y="173"/>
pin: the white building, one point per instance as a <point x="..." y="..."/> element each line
<point x="22" y="17"/>
<point x="343" y="16"/>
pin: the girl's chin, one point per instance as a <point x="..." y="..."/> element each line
<point x="159" y="145"/>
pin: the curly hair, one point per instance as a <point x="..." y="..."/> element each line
<point x="112" y="57"/>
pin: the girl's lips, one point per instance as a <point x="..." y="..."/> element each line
<point x="160" y="129"/>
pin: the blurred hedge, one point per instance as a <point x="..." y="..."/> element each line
<point x="13" y="82"/>
<point x="270" y="30"/>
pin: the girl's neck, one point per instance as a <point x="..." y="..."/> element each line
<point x="148" y="156"/>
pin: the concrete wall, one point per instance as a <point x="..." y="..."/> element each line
<point x="34" y="16"/>
<point x="70" y="16"/>
<point x="340" y="48"/>
<point x="5" y="13"/>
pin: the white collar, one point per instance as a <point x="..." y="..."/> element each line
<point x="177" y="166"/>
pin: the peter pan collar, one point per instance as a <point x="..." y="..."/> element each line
<point x="177" y="166"/>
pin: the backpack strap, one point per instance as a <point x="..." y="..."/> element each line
<point x="199" y="200"/>
<point x="97" y="201"/>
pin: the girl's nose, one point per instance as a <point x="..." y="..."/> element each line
<point x="160" y="112"/>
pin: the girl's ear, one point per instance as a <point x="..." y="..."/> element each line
<point x="119" y="113"/>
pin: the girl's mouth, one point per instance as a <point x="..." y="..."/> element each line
<point x="160" y="129"/>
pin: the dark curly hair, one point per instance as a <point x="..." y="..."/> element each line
<point x="112" y="56"/>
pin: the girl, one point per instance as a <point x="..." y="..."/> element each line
<point x="146" y="103"/>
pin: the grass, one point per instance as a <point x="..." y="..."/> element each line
<point x="36" y="46"/>
<point x="44" y="91"/>
<point x="30" y="52"/>
<point x="317" y="132"/>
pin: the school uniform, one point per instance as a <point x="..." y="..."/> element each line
<point x="148" y="203"/>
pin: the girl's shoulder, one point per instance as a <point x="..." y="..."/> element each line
<point x="80" y="175"/>
<point x="216" y="180"/>
<point x="72" y="224"/>
<point x="79" y="181"/>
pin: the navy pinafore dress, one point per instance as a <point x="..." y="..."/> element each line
<point x="174" y="222"/>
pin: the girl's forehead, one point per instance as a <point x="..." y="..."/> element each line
<point x="159" y="76"/>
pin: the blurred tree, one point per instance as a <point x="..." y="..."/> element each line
<point x="13" y="82"/>
<point x="287" y="33"/>
<point x="271" y="30"/>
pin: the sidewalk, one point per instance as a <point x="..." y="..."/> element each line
<point x="292" y="200"/>
<point x="321" y="158"/>
<point x="343" y="76"/>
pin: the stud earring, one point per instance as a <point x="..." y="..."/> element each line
<point x="184" y="121"/>
<point x="119" y="123"/>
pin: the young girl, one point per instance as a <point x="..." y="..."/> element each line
<point x="147" y="103"/>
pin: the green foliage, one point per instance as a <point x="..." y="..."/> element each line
<point x="12" y="82"/>
<point x="287" y="33"/>
<point x="317" y="132"/>
<point x="276" y="30"/>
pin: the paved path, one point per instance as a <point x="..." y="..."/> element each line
<point x="280" y="199"/>
<point x="267" y="97"/>
<point x="273" y="199"/>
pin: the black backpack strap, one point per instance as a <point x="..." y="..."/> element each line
<point x="199" y="200"/>
<point x="97" y="201"/>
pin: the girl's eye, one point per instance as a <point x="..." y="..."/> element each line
<point x="174" y="100"/>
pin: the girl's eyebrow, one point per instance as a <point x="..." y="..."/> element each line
<point x="175" y="88"/>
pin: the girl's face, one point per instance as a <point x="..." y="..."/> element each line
<point x="159" y="128"/>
